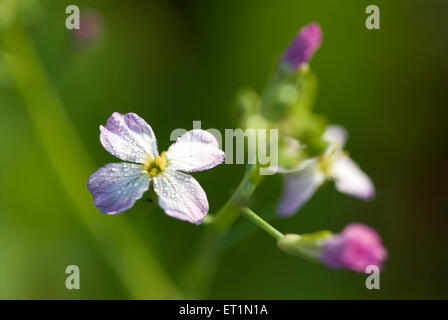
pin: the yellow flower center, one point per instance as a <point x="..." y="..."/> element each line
<point x="156" y="166"/>
<point x="326" y="161"/>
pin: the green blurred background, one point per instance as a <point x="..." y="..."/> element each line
<point x="176" y="61"/>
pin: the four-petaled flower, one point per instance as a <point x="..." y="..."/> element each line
<point x="301" y="183"/>
<point x="357" y="247"/>
<point x="116" y="186"/>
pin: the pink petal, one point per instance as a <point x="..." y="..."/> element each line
<point x="357" y="247"/>
<point x="128" y="137"/>
<point x="335" y="135"/>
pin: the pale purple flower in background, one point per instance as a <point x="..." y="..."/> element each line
<point x="357" y="247"/>
<point x="116" y="186"/>
<point x="334" y="164"/>
<point x="302" y="48"/>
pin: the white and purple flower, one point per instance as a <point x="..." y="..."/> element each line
<point x="334" y="164"/>
<point x="116" y="186"/>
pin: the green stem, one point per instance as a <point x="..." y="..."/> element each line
<point x="227" y="215"/>
<point x="259" y="222"/>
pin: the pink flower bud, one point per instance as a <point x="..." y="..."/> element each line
<point x="303" y="46"/>
<point x="357" y="247"/>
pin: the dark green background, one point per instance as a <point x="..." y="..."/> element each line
<point x="173" y="62"/>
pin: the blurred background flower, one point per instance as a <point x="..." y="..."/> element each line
<point x="91" y="30"/>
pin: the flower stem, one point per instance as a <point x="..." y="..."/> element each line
<point x="259" y="222"/>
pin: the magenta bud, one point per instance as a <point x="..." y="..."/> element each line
<point x="91" y="27"/>
<point x="357" y="247"/>
<point x="302" y="48"/>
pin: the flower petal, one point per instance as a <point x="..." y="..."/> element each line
<point x="196" y="150"/>
<point x="350" y="179"/>
<point x="128" y="137"/>
<point x="335" y="135"/>
<point x="181" y="196"/>
<point x="290" y="151"/>
<point x="116" y="186"/>
<point x="298" y="189"/>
